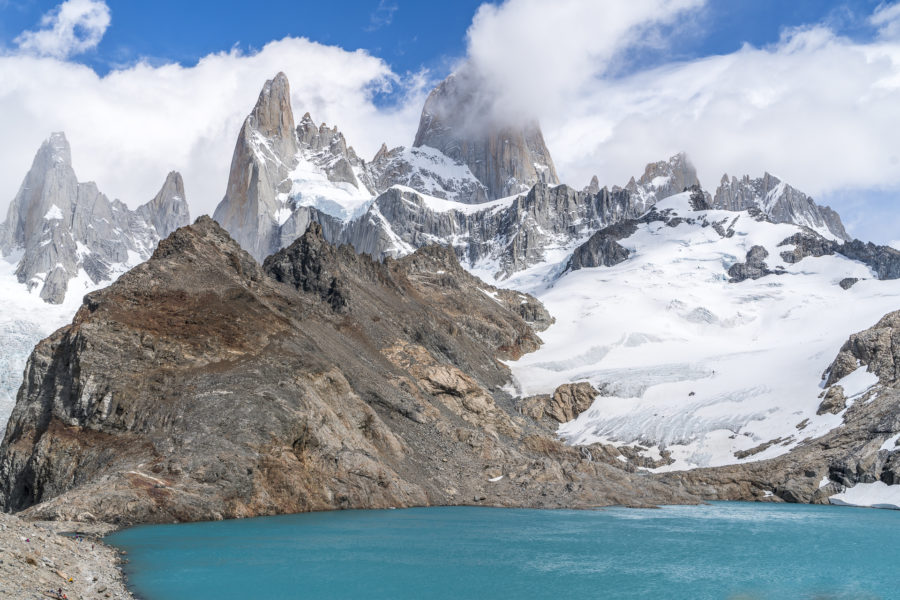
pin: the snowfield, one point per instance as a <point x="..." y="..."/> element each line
<point x="25" y="319"/>
<point x="687" y="361"/>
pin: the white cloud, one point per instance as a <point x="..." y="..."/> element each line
<point x="130" y="127"/>
<point x="817" y="109"/>
<point x="887" y="19"/>
<point x="539" y="56"/>
<point x="73" y="27"/>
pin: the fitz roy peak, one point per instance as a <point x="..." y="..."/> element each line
<point x="447" y="188"/>
<point x="63" y="227"/>
<point x="458" y="120"/>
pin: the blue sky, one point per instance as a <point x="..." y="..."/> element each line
<point x="806" y="89"/>
<point x="408" y="35"/>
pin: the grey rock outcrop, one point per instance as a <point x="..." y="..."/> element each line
<point x="806" y="243"/>
<point x="884" y="260"/>
<point x="425" y="170"/>
<point x="753" y="267"/>
<point x="780" y="202"/>
<point x="603" y="249"/>
<point x="62" y="226"/>
<point x="459" y="121"/>
<point x="201" y="385"/>
<point x="327" y="148"/>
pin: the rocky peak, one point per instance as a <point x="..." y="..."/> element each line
<point x="264" y="155"/>
<point x="273" y="118"/>
<point x="780" y="202"/>
<point x="507" y="158"/>
<point x="169" y="209"/>
<point x="593" y="187"/>
<point x="46" y="194"/>
<point x="664" y="178"/>
<point x="326" y="148"/>
<point x="64" y="227"/>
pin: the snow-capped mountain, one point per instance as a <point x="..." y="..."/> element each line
<point x="284" y="177"/>
<point x="57" y="228"/>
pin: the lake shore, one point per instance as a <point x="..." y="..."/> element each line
<point x="39" y="556"/>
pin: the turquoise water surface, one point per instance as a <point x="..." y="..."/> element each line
<point x="724" y="550"/>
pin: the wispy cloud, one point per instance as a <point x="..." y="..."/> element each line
<point x="73" y="27"/>
<point x="887" y="19"/>
<point x="382" y="16"/>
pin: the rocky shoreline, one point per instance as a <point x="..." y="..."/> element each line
<point x="39" y="557"/>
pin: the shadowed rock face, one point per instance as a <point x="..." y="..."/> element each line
<point x="202" y="385"/>
<point x="507" y="159"/>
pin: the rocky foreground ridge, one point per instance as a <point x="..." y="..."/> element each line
<point x="202" y="385"/>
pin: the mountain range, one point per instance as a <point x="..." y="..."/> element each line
<point x="698" y="324"/>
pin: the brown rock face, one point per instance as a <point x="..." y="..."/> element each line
<point x="202" y="385"/>
<point x="567" y="402"/>
<point x="507" y="157"/>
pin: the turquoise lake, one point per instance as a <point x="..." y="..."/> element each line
<point x="723" y="550"/>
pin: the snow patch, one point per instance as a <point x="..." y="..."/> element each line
<point x="874" y="495"/>
<point x="53" y="213"/>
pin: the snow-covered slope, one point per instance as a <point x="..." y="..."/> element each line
<point x="25" y="319"/>
<point x="690" y="362"/>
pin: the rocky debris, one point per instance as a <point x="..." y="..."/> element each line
<point x="753" y="267"/>
<point x="36" y="557"/>
<point x="780" y="202"/>
<point x="62" y="226"/>
<point x="834" y="401"/>
<point x="850" y="454"/>
<point x="459" y="121"/>
<point x="848" y="282"/>
<point x="389" y="397"/>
